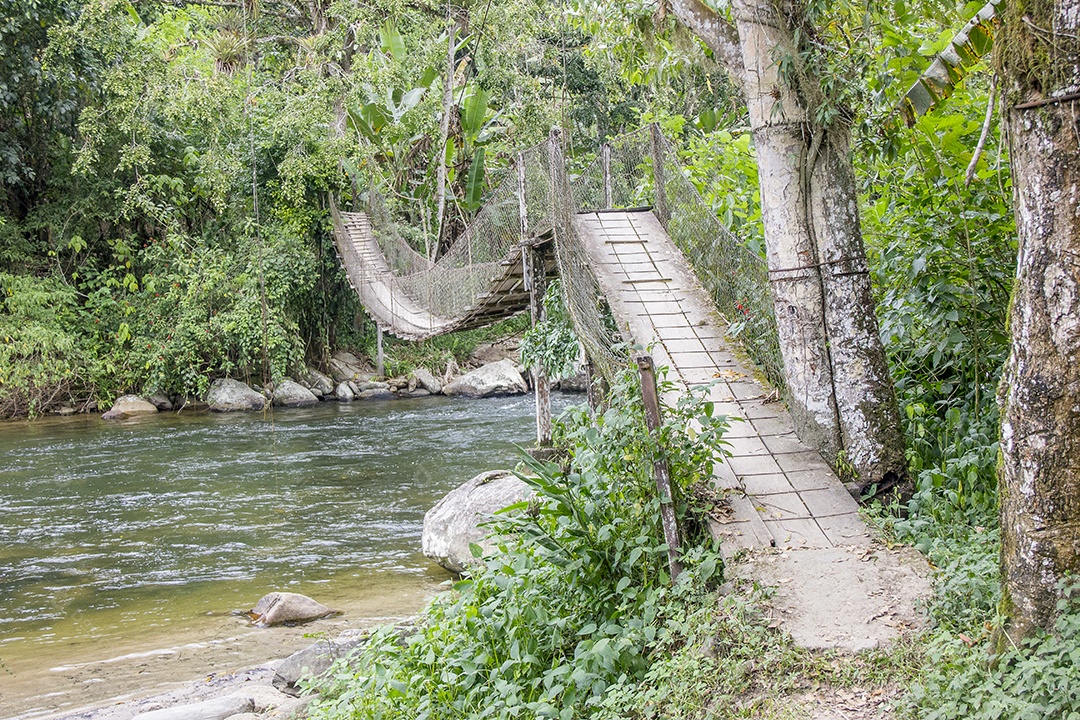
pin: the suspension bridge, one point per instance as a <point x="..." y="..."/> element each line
<point x="643" y="261"/>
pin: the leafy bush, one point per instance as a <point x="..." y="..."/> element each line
<point x="41" y="358"/>
<point x="1039" y="679"/>
<point x="552" y="344"/>
<point x="577" y="598"/>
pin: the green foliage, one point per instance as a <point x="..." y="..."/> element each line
<point x="40" y="355"/>
<point x="1039" y="679"/>
<point x="576" y="599"/>
<point x="552" y="344"/>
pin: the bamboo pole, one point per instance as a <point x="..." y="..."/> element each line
<point x="660" y="206"/>
<point x="380" y="359"/>
<point x="605" y="163"/>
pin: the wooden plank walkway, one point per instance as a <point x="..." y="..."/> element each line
<point x="782" y="493"/>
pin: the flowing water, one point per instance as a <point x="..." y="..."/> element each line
<point x="125" y="546"/>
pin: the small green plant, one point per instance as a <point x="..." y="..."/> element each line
<point x="552" y="345"/>
<point x="1038" y="679"/>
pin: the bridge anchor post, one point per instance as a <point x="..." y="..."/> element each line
<point x="534" y="275"/>
<point x="537" y="274"/>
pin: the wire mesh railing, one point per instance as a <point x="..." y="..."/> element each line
<point x="639" y="169"/>
<point x="642" y="168"/>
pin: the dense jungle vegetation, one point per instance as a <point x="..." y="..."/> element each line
<point x="166" y="169"/>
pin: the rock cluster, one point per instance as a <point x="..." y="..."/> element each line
<point x="496" y="373"/>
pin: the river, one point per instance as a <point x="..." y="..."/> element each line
<point x="125" y="546"/>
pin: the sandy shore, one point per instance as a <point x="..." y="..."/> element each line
<point x="118" y="683"/>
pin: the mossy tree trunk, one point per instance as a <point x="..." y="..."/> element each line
<point x="1038" y="57"/>
<point x="841" y="394"/>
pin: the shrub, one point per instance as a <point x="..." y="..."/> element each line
<point x="577" y="598"/>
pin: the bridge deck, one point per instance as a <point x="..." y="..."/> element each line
<point x="782" y="493"/>
<point x="389" y="300"/>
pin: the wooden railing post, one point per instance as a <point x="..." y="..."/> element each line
<point x="660" y="205"/>
<point x="380" y="358"/>
<point x="605" y="164"/>
<point x="534" y="277"/>
<point x="660" y="468"/>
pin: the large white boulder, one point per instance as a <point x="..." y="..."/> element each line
<point x="293" y="394"/>
<point x="213" y="709"/>
<point x="497" y="378"/>
<point x="129" y="406"/>
<point x="318" y="383"/>
<point x="425" y="379"/>
<point x="454" y="522"/>
<point x="228" y="395"/>
<point x="285" y="607"/>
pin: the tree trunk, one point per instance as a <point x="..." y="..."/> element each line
<point x="841" y="394"/>
<point x="1039" y="479"/>
<point x="871" y="434"/>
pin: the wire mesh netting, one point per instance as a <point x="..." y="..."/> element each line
<point x="627" y="173"/>
<point x="584" y="299"/>
<point x="638" y="169"/>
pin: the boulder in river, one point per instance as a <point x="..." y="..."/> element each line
<point x="318" y="383"/>
<point x="228" y="395"/>
<point x="129" y="406"/>
<point x="425" y="379"/>
<point x="454" y="522"/>
<point x="376" y="394"/>
<point x="161" y="402"/>
<point x="285" y="607"/>
<point x="344" y="392"/>
<point x="293" y="394"/>
<point x="497" y="378"/>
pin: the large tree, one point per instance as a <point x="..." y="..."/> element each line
<point x="1038" y="54"/>
<point x="841" y="394"/>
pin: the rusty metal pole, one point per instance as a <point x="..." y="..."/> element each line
<point x="660" y="468"/>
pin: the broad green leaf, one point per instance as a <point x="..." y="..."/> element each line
<point x="475" y="110"/>
<point x="391" y="42"/>
<point x="474" y="185"/>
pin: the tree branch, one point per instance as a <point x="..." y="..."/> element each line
<point x="718" y="34"/>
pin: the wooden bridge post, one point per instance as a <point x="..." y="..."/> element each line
<point x="534" y="276"/>
<point x="605" y="164"/>
<point x="660" y="468"/>
<point x="380" y="358"/>
<point x="660" y="205"/>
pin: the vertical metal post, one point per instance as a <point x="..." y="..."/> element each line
<point x="534" y="276"/>
<point x="660" y="205"/>
<point x="380" y="359"/>
<point x="605" y="164"/>
<point x="660" y="468"/>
